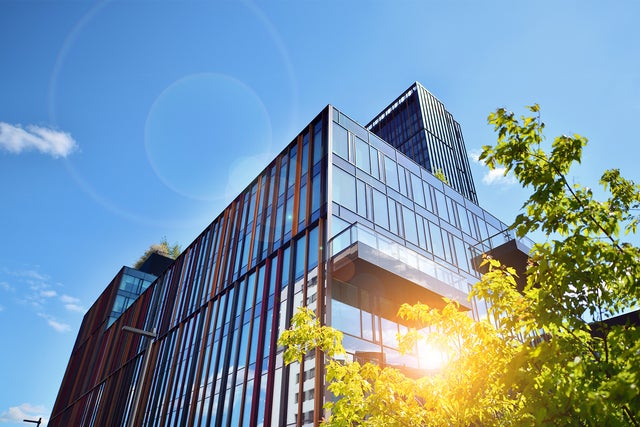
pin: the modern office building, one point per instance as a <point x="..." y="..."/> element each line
<point x="340" y="221"/>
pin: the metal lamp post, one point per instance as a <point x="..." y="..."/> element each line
<point x="33" y="421"/>
<point x="145" y="365"/>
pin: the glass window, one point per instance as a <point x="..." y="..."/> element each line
<point x="362" y="155"/>
<point x="337" y="225"/>
<point x="409" y="220"/>
<point x="461" y="253"/>
<point x="313" y="248"/>
<point x="389" y="332"/>
<point x="422" y="238"/>
<point x="393" y="219"/>
<point x="345" y="318"/>
<point x="302" y="208"/>
<point x="292" y="164"/>
<point x="304" y="158"/>
<point x="464" y="221"/>
<point x="285" y="266"/>
<point x="441" y="205"/>
<point x="418" y="195"/>
<point x="317" y="142"/>
<point x="288" y="219"/>
<point x="391" y="172"/>
<point x="436" y="240"/>
<point x="344" y="189"/>
<point x="375" y="167"/>
<point x="380" y="210"/>
<point x="361" y="196"/>
<point x="300" y="257"/>
<point x="315" y="193"/>
<point x="340" y="141"/>
<point x="403" y="181"/>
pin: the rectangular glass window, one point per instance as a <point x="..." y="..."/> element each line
<point x="461" y="253"/>
<point x="393" y="219"/>
<point x="345" y="318"/>
<point x="380" y="209"/>
<point x="340" y="141"/>
<point x="302" y="208"/>
<point x="410" y="230"/>
<point x="283" y="175"/>
<point x="300" y="257"/>
<point x="288" y="218"/>
<point x="375" y="166"/>
<point x="403" y="181"/>
<point x="315" y="193"/>
<point x="344" y="189"/>
<point x="293" y="154"/>
<point x="304" y="158"/>
<point x="286" y="266"/>
<point x="418" y="195"/>
<point x="441" y="204"/>
<point x="436" y="240"/>
<point x="361" y="195"/>
<point x="362" y="155"/>
<point x="391" y="173"/>
<point x="313" y="248"/>
<point x="317" y="142"/>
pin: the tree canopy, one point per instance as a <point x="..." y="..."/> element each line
<point x="163" y="248"/>
<point x="544" y="355"/>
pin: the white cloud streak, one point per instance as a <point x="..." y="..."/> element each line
<point x="57" y="326"/>
<point x="72" y="304"/>
<point x="15" y="414"/>
<point x="492" y="176"/>
<point x="15" y="139"/>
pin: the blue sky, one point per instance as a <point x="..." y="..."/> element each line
<point x="125" y="121"/>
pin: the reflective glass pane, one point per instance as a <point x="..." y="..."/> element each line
<point x="344" y="189"/>
<point x="340" y="141"/>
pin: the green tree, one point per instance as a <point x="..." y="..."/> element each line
<point x="163" y="248"/>
<point x="545" y="357"/>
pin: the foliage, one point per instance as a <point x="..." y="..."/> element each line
<point x="582" y="273"/>
<point x="464" y="392"/>
<point x="543" y="356"/>
<point x="439" y="173"/>
<point x="163" y="248"/>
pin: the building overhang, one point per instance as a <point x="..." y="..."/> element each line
<point x="512" y="253"/>
<point x="371" y="269"/>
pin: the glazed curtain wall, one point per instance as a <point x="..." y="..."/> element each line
<point x="219" y="308"/>
<point x="375" y="185"/>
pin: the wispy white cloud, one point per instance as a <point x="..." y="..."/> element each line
<point x="497" y="176"/>
<point x="49" y="293"/>
<point x="15" y="414"/>
<point x="492" y="176"/>
<point x="6" y="286"/>
<point x="55" y="324"/>
<point x="72" y="304"/>
<point x="15" y="139"/>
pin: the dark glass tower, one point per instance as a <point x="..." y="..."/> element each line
<point x="418" y="125"/>
<point x="339" y="221"/>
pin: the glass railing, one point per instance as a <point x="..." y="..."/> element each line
<point x="359" y="233"/>
<point x="498" y="239"/>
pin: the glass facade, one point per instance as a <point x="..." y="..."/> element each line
<point x="328" y="224"/>
<point x="419" y="126"/>
<point x="132" y="284"/>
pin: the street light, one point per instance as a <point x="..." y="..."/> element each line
<point x="145" y="365"/>
<point x="34" y="421"/>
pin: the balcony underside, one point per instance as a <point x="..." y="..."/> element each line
<point x="371" y="269"/>
<point x="512" y="254"/>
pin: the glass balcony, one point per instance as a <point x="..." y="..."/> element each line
<point x="360" y="250"/>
